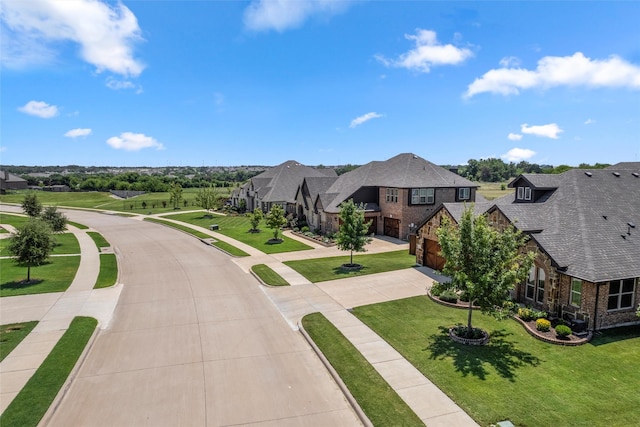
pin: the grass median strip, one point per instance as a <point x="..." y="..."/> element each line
<point x="515" y="376"/>
<point x="228" y="248"/>
<point x="108" y="271"/>
<point x="378" y="400"/>
<point x="11" y="335"/>
<point x="268" y="276"/>
<point x="30" y="405"/>
<point x="322" y="269"/>
<point x="100" y="241"/>
<point x="78" y="225"/>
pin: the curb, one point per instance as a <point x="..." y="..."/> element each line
<point x="347" y="394"/>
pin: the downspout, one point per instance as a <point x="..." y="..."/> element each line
<point x="595" y="309"/>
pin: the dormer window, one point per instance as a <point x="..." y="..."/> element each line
<point x="523" y="193"/>
<point x="464" y="193"/>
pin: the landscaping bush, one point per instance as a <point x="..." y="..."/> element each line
<point x="526" y="314"/>
<point x="305" y="229"/>
<point x="462" y="331"/>
<point x="563" y="331"/>
<point x="543" y="325"/>
<point x="464" y="297"/>
<point x="449" y="296"/>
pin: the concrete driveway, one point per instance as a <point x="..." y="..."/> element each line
<point x="194" y="342"/>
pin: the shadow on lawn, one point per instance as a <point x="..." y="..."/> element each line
<point x="500" y="353"/>
<point x="21" y="284"/>
<point x="615" y="334"/>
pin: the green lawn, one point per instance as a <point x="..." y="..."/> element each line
<point x="11" y="335"/>
<point x="15" y="220"/>
<point x="321" y="269"/>
<point x="268" y="276"/>
<point x="66" y="243"/>
<point x="237" y="227"/>
<point x="54" y="276"/>
<point x="30" y="405"/>
<point x="378" y="400"/>
<point x="100" y="241"/>
<point x="78" y="225"/>
<point x="230" y="249"/>
<point x="516" y="376"/>
<point x="108" y="271"/>
<point x="493" y="190"/>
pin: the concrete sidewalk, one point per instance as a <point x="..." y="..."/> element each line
<point x="54" y="312"/>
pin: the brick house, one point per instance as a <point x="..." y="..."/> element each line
<point x="583" y="225"/>
<point x="398" y="193"/>
<point x="9" y="181"/>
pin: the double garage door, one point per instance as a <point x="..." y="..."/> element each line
<point x="431" y="255"/>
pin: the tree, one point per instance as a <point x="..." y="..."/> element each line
<point x="56" y="220"/>
<point x="175" y="194"/>
<point x="254" y="218"/>
<point x="209" y="198"/>
<point x="483" y="262"/>
<point x="352" y="235"/>
<point x="31" y="244"/>
<point x="31" y="205"/>
<point x="275" y="220"/>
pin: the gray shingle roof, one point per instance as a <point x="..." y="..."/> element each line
<point x="583" y="224"/>
<point x="280" y="183"/>
<point x="402" y="171"/>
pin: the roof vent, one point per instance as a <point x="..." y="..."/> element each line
<point x="632" y="225"/>
<point x="636" y="174"/>
<point x="616" y="174"/>
<point x="604" y="216"/>
<point x="589" y="174"/>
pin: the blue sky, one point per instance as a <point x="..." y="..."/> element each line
<point x="220" y="83"/>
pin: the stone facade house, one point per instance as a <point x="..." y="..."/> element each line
<point x="585" y="228"/>
<point x="277" y="185"/>
<point x="397" y="193"/>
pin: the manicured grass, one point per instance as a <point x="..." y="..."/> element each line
<point x="108" y="271"/>
<point x="238" y="227"/>
<point x="78" y="225"/>
<point x="228" y="248"/>
<point x="515" y="376"/>
<point x="321" y="269"/>
<point x="268" y="276"/>
<point x="30" y="405"/>
<point x="15" y="220"/>
<point x="54" y="275"/>
<point x="11" y="335"/>
<point x="378" y="400"/>
<point x="66" y="243"/>
<point x="100" y="241"/>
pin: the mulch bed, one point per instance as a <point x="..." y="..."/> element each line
<point x="550" y="336"/>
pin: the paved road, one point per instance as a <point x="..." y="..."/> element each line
<point x="194" y="342"/>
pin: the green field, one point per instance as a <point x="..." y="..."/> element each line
<point x="493" y="190"/>
<point x="54" y="275"/>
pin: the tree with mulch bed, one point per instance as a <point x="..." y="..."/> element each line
<point x="275" y="220"/>
<point x="483" y="263"/>
<point x="254" y="218"/>
<point x="352" y="235"/>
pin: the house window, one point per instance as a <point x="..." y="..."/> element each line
<point x="464" y="193"/>
<point x="523" y="193"/>
<point x="422" y="196"/>
<point x="392" y="195"/>
<point x="535" y="284"/>
<point x="621" y="294"/>
<point x="576" y="292"/>
<point x="527" y="193"/>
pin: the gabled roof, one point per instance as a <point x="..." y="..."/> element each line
<point x="583" y="225"/>
<point x="539" y="181"/>
<point x="9" y="177"/>
<point x="402" y="171"/>
<point x="280" y="183"/>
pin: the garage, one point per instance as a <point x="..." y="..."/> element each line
<point x="373" y="228"/>
<point x="392" y="227"/>
<point x="432" y="256"/>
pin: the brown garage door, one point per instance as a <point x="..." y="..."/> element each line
<point x="392" y="227"/>
<point x="373" y="228"/>
<point x="432" y="256"/>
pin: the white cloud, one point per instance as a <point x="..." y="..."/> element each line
<point x="552" y="71"/>
<point x="514" y="136"/>
<point x="281" y="15"/>
<point x="130" y="141"/>
<point x="106" y="34"/>
<point x="589" y="121"/>
<point x="548" y="131"/>
<point x="518" y="154"/>
<point x="510" y="61"/>
<point x="74" y="133"/>
<point x="364" y="118"/>
<point x="427" y="53"/>
<point x="39" y="109"/>
<point x="116" y="84"/>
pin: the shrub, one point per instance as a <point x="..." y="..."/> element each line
<point x="543" y="325"/>
<point x="305" y="229"/>
<point x="539" y="314"/>
<point x="464" y="296"/>
<point x="449" y="296"/>
<point x="563" y="331"/>
<point x="436" y="289"/>
<point x="462" y="331"/>
<point x="526" y="314"/>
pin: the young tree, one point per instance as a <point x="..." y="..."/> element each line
<point x="352" y="235"/>
<point x="175" y="194"/>
<point x="209" y="198"/>
<point x="275" y="220"/>
<point x="254" y="218"/>
<point x="56" y="220"/>
<point x="483" y="262"/>
<point x="31" y="205"/>
<point x="31" y="244"/>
